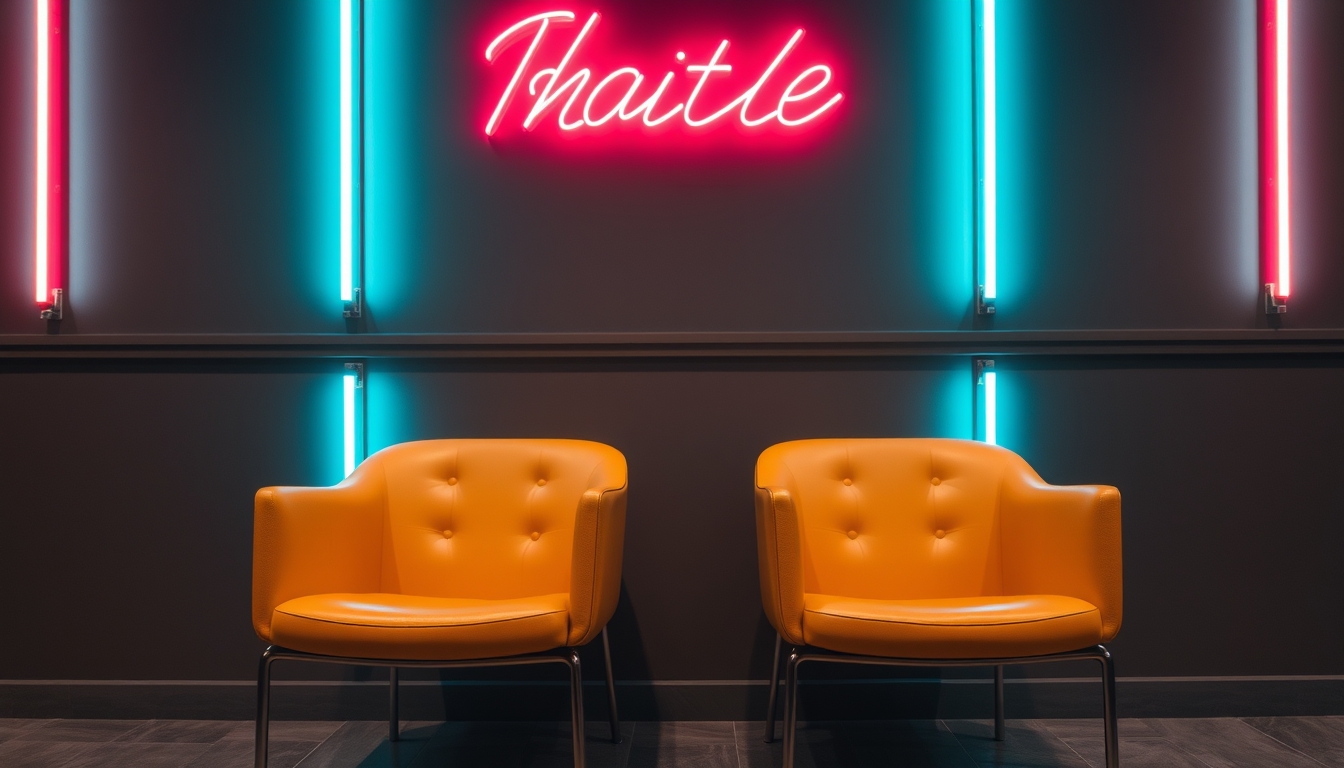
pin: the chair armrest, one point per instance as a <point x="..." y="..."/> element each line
<point x="311" y="541"/>
<point x="595" y="571"/>
<point x="1063" y="540"/>
<point x="780" y="559"/>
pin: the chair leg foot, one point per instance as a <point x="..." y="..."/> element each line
<point x="576" y="705"/>
<point x="263" y="708"/>
<point x="393" y="710"/>
<point x="1000" y="729"/>
<point x="1112" y="723"/>
<point x="611" y="691"/>
<point x="791" y="708"/>
<point x="774" y="691"/>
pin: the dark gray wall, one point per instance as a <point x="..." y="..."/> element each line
<point x="203" y="203"/>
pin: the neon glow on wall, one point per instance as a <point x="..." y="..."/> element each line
<point x="1276" y="243"/>
<point x="987" y="155"/>
<point x="351" y="160"/>
<point x="622" y="96"/>
<point x="51" y="109"/>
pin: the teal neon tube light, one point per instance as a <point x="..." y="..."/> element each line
<point x="991" y="408"/>
<point x="351" y="160"/>
<point x="987" y="155"/>
<point x="349" y="423"/>
<point x="352" y="389"/>
<point x="985" y="403"/>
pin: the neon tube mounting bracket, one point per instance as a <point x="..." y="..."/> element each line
<point x="981" y="365"/>
<point x="55" y="310"/>
<point x="1274" y="305"/>
<point x="358" y="370"/>
<point x="355" y="307"/>
<point x="983" y="306"/>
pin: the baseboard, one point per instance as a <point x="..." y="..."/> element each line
<point x="674" y="699"/>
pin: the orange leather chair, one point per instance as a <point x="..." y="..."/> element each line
<point x="928" y="552"/>
<point x="444" y="553"/>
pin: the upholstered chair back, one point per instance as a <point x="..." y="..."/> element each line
<point x="485" y="519"/>
<point x="895" y="519"/>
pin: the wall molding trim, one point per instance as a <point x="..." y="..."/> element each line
<point x="654" y="345"/>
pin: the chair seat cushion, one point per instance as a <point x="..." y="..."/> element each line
<point x="951" y="628"/>
<point x="390" y="626"/>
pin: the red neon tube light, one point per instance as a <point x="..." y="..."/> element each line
<point x="51" y="172"/>
<point x="1276" y="243"/>
<point x="561" y="86"/>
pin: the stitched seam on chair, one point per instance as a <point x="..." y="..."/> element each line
<point x="592" y="576"/>
<point x="419" y="626"/>
<point x="775" y="524"/>
<point x="801" y="543"/>
<point x="943" y="624"/>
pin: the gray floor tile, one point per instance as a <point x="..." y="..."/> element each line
<point x="80" y="730"/>
<point x="122" y="755"/>
<point x="43" y="754"/>
<point x="753" y="731"/>
<point x="539" y="745"/>
<point x="1136" y="752"/>
<point x="1319" y="737"/>
<point x="365" y="744"/>
<point x="1088" y="727"/>
<point x="287" y="730"/>
<point x="11" y="727"/>
<point x="861" y="744"/>
<point x="713" y="733"/>
<point x="237" y="753"/>
<point x="670" y="754"/>
<point x="180" y="732"/>
<point x="763" y="755"/>
<point x="1027" y="744"/>
<point x="1230" y="743"/>
<point x="877" y="732"/>
<point x="1209" y="743"/>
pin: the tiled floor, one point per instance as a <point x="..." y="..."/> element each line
<point x="1250" y="742"/>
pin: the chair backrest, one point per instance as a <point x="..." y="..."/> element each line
<point x="485" y="519"/>
<point x="894" y="519"/>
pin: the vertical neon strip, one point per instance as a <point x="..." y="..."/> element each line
<point x="1283" y="283"/>
<point x="991" y="408"/>
<point x="1275" y="146"/>
<point x="49" y="140"/>
<point x="42" y="190"/>
<point x="347" y="150"/>
<point x="351" y="429"/>
<point x="990" y="130"/>
<point x="985" y="401"/>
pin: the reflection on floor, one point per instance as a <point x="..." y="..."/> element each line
<point x="1271" y="742"/>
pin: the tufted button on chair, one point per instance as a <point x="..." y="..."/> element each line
<point x="444" y="553"/>
<point x="927" y="552"/>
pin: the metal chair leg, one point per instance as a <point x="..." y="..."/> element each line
<point x="393" y="713"/>
<point x="576" y="704"/>
<point x="1108" y="708"/>
<point x="263" y="706"/>
<point x="774" y="691"/>
<point x="999" y="727"/>
<point x="611" y="691"/>
<point x="791" y="709"/>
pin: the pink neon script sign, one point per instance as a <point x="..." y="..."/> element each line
<point x="563" y="85"/>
